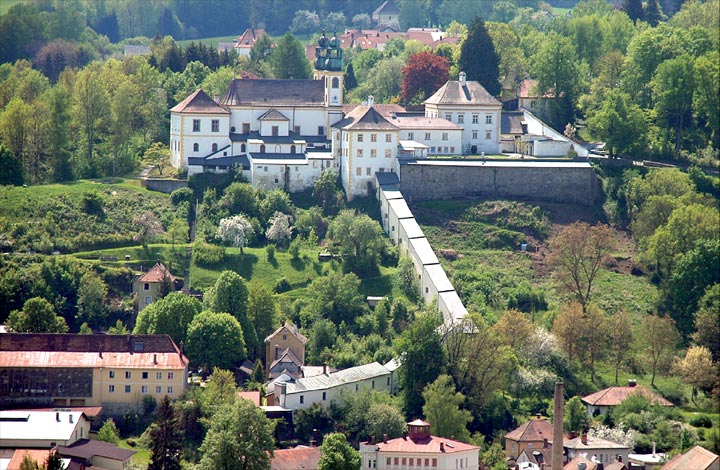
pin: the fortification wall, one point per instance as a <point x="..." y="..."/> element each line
<point x="163" y="185"/>
<point x="567" y="182"/>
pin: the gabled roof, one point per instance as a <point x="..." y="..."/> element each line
<point x="270" y="92"/>
<point x="157" y="273"/>
<point x="697" y="458"/>
<point x="454" y="93"/>
<point x="365" y="117"/>
<point x="39" y="425"/>
<point x="286" y="356"/>
<point x="289" y="328"/>
<point x="248" y="37"/>
<point x="198" y="102"/>
<point x="385" y="109"/>
<point x="387" y="7"/>
<point x="273" y="115"/>
<point x="428" y="445"/>
<point x="574" y="464"/>
<point x="613" y="396"/>
<point x="423" y="122"/>
<point x="591" y="443"/>
<point x="341" y="377"/>
<point x="87" y="449"/>
<point x="305" y="458"/>
<point x="534" y="430"/>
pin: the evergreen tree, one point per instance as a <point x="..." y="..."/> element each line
<point x="288" y="59"/>
<point x="166" y="438"/>
<point x="478" y="58"/>
<point x="653" y="14"/>
<point x="350" y="80"/>
<point x="634" y="9"/>
<point x="10" y="168"/>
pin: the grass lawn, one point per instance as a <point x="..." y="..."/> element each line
<point x="5" y="5"/>
<point x="213" y="42"/>
<point x="142" y="457"/>
<point x="173" y="258"/>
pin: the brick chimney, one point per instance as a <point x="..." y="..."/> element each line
<point x="557" y="447"/>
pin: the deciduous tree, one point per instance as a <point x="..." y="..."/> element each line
<point x="442" y="409"/>
<point x="279" y="230"/>
<point x="337" y="454"/>
<point x="697" y="369"/>
<point x="424" y="73"/>
<point x="621" y="124"/>
<point x="36" y="316"/>
<point x="109" y="432"/>
<point x="660" y="337"/>
<point x="261" y="309"/>
<point x="157" y="156"/>
<point x="620" y="340"/>
<point x="215" y="340"/>
<point x="170" y="315"/>
<point x="149" y="227"/>
<point x="360" y="239"/>
<point x="235" y="230"/>
<point x="673" y="87"/>
<point x="382" y="419"/>
<point x="91" y="299"/>
<point x="557" y="72"/>
<point x="230" y="294"/>
<point x="707" y="322"/>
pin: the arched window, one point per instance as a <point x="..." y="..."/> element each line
<point x="262" y="148"/>
<point x="196" y="147"/>
<point x="335" y="82"/>
<point x="214" y="147"/>
<point x="292" y="149"/>
<point x="242" y="148"/>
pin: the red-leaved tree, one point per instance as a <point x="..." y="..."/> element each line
<point x="424" y="73"/>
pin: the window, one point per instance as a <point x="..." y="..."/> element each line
<point x="296" y="129"/>
<point x="262" y="148"/>
<point x="444" y="136"/>
<point x="215" y="125"/>
<point x="448" y="116"/>
<point x="358" y="171"/>
<point x="434" y="462"/>
<point x="171" y="375"/>
<point x="196" y="125"/>
<point x="388" y="461"/>
<point x="214" y="147"/>
<point x="373" y="137"/>
<point x="356" y="387"/>
<point x="476" y="117"/>
<point x="324" y="396"/>
<point x="111" y="374"/>
<point x="404" y="461"/>
<point x="488" y="119"/>
<point x="158" y="389"/>
<point x="411" y="135"/>
<point x="359" y="153"/>
<point x="292" y="149"/>
<point x="427" y="462"/>
<point x="474" y="135"/>
<point x="196" y="147"/>
<point x="321" y="130"/>
<point x="146" y="286"/>
<point x="170" y="390"/>
<point x="452" y="149"/>
<point x="335" y="82"/>
<point x="367" y="171"/>
<point x="488" y="135"/>
<point x="388" y="153"/>
<point x="302" y="399"/>
<point x="143" y="389"/>
<point x="432" y="149"/>
<point x="372" y="385"/>
<point x="397" y="461"/>
<point x="360" y="137"/>
<point x="148" y="300"/>
<point x="461" y="118"/>
<point x="144" y="375"/>
<point x="373" y="153"/>
<point x="158" y="375"/>
<point x="246" y="128"/>
<point x="388" y="138"/>
<point x="128" y="374"/>
<point x="111" y="388"/>
<point x="388" y="381"/>
<point x="275" y="131"/>
<point x="427" y="136"/>
<point x="128" y="388"/>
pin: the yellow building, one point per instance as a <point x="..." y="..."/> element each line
<point x="112" y="371"/>
<point x="152" y="285"/>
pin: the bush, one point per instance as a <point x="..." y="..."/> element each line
<point x="270" y="252"/>
<point x="181" y="195"/>
<point x="701" y="421"/>
<point x="294" y="249"/>
<point x="282" y="286"/>
<point x="93" y="203"/>
<point x="206" y="254"/>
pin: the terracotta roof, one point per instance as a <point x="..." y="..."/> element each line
<point x="89" y="448"/>
<point x="613" y="396"/>
<point x="697" y="458"/>
<point x="253" y="396"/>
<point x="534" y="430"/>
<point x="365" y="117"/>
<point x="427" y="445"/>
<point x="292" y="329"/>
<point x="89" y="411"/>
<point x="615" y="466"/>
<point x="270" y="92"/>
<point x="591" y="443"/>
<point x="305" y="458"/>
<point x="574" y="464"/>
<point x="38" y="456"/>
<point x="199" y="102"/>
<point x="526" y="89"/>
<point x="248" y="37"/>
<point x="157" y="273"/>
<point x="455" y="94"/>
<point x="74" y="350"/>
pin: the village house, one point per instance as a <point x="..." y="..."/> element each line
<point x="604" y="400"/>
<point x="152" y="285"/>
<point x="596" y="449"/>
<point x="112" y="371"/>
<point x="286" y="339"/>
<point x="91" y="453"/>
<point x="697" y="458"/>
<point x="29" y="429"/>
<point x="245" y="42"/>
<point x="418" y="449"/>
<point x="298" y="458"/>
<point x="527" y="438"/>
<point x="386" y="16"/>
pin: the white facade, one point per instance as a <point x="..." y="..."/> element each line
<point x="42" y="429"/>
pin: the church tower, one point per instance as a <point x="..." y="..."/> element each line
<point x="329" y="66"/>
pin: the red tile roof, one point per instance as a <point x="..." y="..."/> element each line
<point x="613" y="396"/>
<point x="697" y="458"/>
<point x="157" y="273"/>
<point x="73" y="350"/>
<point x="292" y="329"/>
<point x="428" y="445"/>
<point x="305" y="458"/>
<point x="534" y="430"/>
<point x="574" y="464"/>
<point x="248" y="38"/>
<point x="253" y="396"/>
<point x="38" y="456"/>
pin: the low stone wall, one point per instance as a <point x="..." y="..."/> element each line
<point x="553" y="181"/>
<point x="163" y="185"/>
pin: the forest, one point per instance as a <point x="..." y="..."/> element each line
<point x="78" y="121"/>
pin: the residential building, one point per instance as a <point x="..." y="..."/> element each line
<point x="294" y="394"/>
<point x="245" y="42"/>
<point x="112" y="371"/>
<point x="601" y="450"/>
<point x="529" y="437"/>
<point x="91" y="453"/>
<point x="386" y="16"/>
<point x="286" y="338"/>
<point x="42" y="429"/>
<point x="299" y="458"/>
<point x="418" y="450"/>
<point x="697" y="458"/>
<point x="421" y="136"/>
<point x="472" y="108"/>
<point x="528" y="97"/>
<point x="523" y="132"/>
<point x="152" y="285"/>
<point x="604" y="400"/>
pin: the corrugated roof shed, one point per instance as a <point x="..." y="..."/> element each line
<point x="341" y="377"/>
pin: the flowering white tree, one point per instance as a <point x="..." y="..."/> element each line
<point x="618" y="434"/>
<point x="279" y="231"/>
<point x="235" y="230"/>
<point x="149" y="227"/>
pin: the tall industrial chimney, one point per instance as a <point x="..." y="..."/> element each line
<point x="557" y="446"/>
